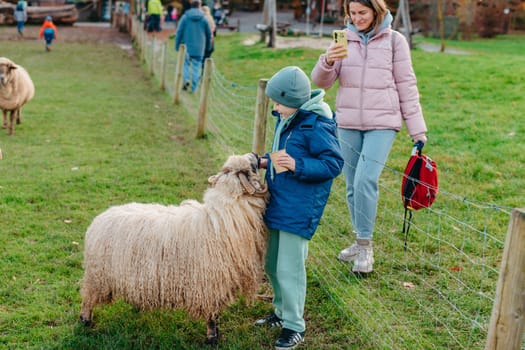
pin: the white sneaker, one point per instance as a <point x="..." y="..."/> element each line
<point x="349" y="254"/>
<point x="361" y="253"/>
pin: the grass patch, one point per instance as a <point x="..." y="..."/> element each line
<point x="99" y="132"/>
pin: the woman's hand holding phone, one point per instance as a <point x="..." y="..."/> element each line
<point x="339" y="48"/>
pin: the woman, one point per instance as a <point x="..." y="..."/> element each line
<point x="377" y="91"/>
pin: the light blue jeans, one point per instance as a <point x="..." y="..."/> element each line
<point x="193" y="68"/>
<point x="285" y="266"/>
<point x="365" y="154"/>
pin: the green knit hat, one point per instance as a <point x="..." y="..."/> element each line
<point x="290" y="87"/>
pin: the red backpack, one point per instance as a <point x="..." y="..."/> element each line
<point x="420" y="184"/>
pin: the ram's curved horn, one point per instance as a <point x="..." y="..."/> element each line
<point x="246" y="184"/>
<point x="263" y="188"/>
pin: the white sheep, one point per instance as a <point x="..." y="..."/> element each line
<point x="199" y="257"/>
<point x="16" y="89"/>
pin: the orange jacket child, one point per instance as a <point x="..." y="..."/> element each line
<point x="48" y="31"/>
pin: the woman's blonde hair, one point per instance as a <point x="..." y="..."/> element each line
<point x="378" y="6"/>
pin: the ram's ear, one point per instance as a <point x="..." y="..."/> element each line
<point x="213" y="179"/>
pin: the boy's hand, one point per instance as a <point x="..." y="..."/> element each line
<point x="285" y="161"/>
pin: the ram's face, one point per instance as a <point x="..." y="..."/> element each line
<point x="254" y="161"/>
<point x="5" y="71"/>
<point x="240" y="170"/>
<point x="246" y="163"/>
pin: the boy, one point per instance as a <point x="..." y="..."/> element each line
<point x="48" y="31"/>
<point x="299" y="179"/>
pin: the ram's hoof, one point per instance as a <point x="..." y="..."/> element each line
<point x="85" y="322"/>
<point x="212" y="341"/>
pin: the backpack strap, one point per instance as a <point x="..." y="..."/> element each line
<point x="411" y="181"/>
<point x="406" y="225"/>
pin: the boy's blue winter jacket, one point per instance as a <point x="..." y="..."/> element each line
<point x="298" y="199"/>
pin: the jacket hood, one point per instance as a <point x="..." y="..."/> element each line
<point x="194" y="14"/>
<point x="365" y="37"/>
<point x="317" y="105"/>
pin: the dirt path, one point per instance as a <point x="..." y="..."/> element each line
<point x="78" y="33"/>
<point x="102" y="33"/>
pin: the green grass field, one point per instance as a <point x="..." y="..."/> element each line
<point x="99" y="132"/>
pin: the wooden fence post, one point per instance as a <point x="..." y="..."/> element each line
<point x="163" y="58"/>
<point x="143" y="45"/>
<point x="203" y="102"/>
<point x="507" y="322"/>
<point x="132" y="26"/>
<point x="152" y="56"/>
<point x="177" y="85"/>
<point x="261" y="118"/>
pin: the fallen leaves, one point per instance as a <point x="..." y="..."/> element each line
<point x="409" y="285"/>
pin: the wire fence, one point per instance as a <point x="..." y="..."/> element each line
<point x="438" y="293"/>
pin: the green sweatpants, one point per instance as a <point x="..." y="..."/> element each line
<point x="285" y="266"/>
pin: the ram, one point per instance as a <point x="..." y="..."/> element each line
<point x="199" y="257"/>
<point x="16" y="89"/>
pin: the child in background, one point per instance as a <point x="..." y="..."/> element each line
<point x="299" y="180"/>
<point x="48" y="31"/>
<point x="20" y="15"/>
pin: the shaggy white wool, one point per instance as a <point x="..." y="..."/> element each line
<point x="16" y="89"/>
<point x="196" y="256"/>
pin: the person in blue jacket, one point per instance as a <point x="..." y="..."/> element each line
<point x="20" y="15"/>
<point x="193" y="31"/>
<point x="299" y="181"/>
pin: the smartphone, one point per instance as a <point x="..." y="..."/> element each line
<point x="339" y="37"/>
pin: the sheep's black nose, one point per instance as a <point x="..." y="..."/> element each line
<point x="254" y="160"/>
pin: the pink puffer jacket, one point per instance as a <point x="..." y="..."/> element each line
<point x="377" y="88"/>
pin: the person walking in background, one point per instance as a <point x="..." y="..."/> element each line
<point x="20" y="15"/>
<point x="193" y="31"/>
<point x="218" y="12"/>
<point x="377" y="91"/>
<point x="171" y="15"/>
<point x="48" y="31"/>
<point x="299" y="178"/>
<point x="175" y="16"/>
<point x="169" y="11"/>
<point x="213" y="29"/>
<point x="155" y="10"/>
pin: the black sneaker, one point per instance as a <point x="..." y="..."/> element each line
<point x="186" y="86"/>
<point x="272" y="320"/>
<point x="289" y="339"/>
